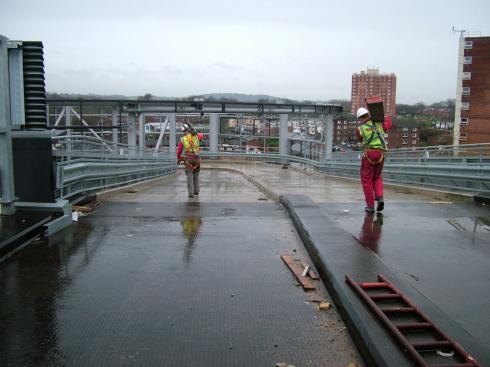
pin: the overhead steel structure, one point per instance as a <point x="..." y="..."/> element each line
<point x="135" y="110"/>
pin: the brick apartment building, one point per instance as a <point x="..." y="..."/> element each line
<point x="372" y="83"/>
<point x="404" y="134"/>
<point x="472" y="112"/>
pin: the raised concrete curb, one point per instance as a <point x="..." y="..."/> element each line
<point x="336" y="254"/>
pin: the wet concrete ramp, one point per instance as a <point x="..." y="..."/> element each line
<point x="167" y="283"/>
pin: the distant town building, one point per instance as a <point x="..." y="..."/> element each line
<point x="404" y="134"/>
<point x="372" y="83"/>
<point x="344" y="130"/>
<point x="472" y="112"/>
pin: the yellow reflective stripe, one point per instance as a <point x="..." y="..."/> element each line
<point x="190" y="143"/>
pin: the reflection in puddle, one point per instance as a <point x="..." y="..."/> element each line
<point x="475" y="224"/>
<point x="371" y="231"/>
<point x="190" y="229"/>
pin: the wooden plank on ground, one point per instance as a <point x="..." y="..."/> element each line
<point x="312" y="273"/>
<point x="297" y="270"/>
<point x="82" y="209"/>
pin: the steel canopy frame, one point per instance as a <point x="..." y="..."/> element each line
<point x="185" y="107"/>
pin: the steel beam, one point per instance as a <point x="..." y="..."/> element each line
<point x="173" y="133"/>
<point x="213" y="132"/>
<point x="7" y="189"/>
<point x="115" y="131"/>
<point x="328" y="136"/>
<point x="188" y="107"/>
<point x="141" y="134"/>
<point x="16" y="76"/>
<point x="283" y="134"/>
<point x="132" y="132"/>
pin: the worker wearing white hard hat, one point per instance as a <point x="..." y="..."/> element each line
<point x="372" y="134"/>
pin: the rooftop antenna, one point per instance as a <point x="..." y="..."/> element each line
<point x="461" y="31"/>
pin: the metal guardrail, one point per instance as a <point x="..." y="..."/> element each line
<point x="88" y="164"/>
<point x="463" y="168"/>
<point x="268" y="157"/>
<point x="85" y="164"/>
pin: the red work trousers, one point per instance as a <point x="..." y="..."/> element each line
<point x="372" y="182"/>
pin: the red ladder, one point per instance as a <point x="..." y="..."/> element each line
<point x="384" y="291"/>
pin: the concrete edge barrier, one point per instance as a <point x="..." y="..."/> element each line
<point x="267" y="192"/>
<point x="336" y="253"/>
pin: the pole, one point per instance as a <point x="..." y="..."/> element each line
<point x="7" y="198"/>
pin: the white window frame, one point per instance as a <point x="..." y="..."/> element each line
<point x="468" y="60"/>
<point x="467" y="75"/>
<point x="414" y="129"/>
<point x="404" y="142"/>
<point x="465" y="105"/>
<point x="405" y="129"/>
<point x="414" y="135"/>
<point x="464" y="121"/>
<point x="414" y="141"/>
<point x="463" y="136"/>
<point x="468" y="45"/>
<point x="405" y="135"/>
<point x="466" y="91"/>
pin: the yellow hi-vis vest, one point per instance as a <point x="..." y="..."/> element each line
<point x="190" y="144"/>
<point x="373" y="135"/>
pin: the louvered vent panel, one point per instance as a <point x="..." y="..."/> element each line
<point x="34" y="86"/>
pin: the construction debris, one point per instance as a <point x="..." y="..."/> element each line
<point x="82" y="209"/>
<point x="87" y="208"/>
<point x="324" y="306"/>
<point x="297" y="270"/>
<point x="316" y="298"/>
<point x="307" y="269"/>
<point x="311" y="272"/>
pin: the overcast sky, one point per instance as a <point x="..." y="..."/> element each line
<point x="296" y="49"/>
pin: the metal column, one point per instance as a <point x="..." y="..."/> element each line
<point x="131" y="133"/>
<point x="172" y="133"/>
<point x="7" y="190"/>
<point x="283" y="134"/>
<point x="328" y="136"/>
<point x="213" y="133"/>
<point x="141" y="125"/>
<point x="114" y="130"/>
<point x="68" y="130"/>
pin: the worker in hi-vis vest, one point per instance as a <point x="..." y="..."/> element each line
<point x="372" y="135"/>
<point x="188" y="152"/>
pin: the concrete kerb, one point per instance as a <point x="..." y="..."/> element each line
<point x="336" y="254"/>
<point x="266" y="191"/>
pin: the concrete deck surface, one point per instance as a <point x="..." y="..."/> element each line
<point x="151" y="278"/>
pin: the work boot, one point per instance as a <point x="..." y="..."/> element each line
<point x="369" y="210"/>
<point x="191" y="196"/>
<point x="381" y="204"/>
<point x="196" y="194"/>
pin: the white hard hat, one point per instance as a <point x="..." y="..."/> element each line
<point x="361" y="112"/>
<point x="186" y="127"/>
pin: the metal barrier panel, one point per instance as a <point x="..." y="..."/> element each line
<point x="85" y="164"/>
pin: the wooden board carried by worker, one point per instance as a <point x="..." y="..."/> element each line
<point x="297" y="270"/>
